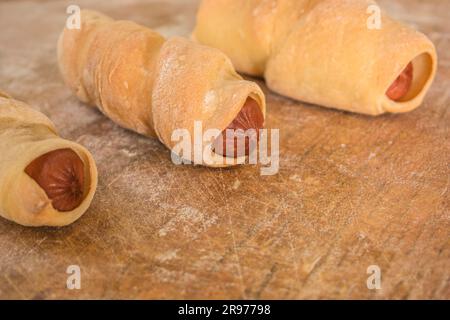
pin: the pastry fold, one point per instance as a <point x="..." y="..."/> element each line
<point x="321" y="51"/>
<point x="26" y="135"/>
<point x="151" y="85"/>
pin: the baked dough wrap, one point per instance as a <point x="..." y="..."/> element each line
<point x="321" y="51"/>
<point x="26" y="135"/>
<point x="151" y="85"/>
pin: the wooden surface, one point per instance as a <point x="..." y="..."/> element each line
<point x="352" y="190"/>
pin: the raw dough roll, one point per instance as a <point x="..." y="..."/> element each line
<point x="323" y="52"/>
<point x="152" y="85"/>
<point x="44" y="179"/>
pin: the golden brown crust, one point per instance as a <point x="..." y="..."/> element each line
<point x="321" y="51"/>
<point x="149" y="84"/>
<point x="27" y="135"/>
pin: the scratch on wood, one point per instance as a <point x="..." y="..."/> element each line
<point x="238" y="262"/>
<point x="266" y="281"/>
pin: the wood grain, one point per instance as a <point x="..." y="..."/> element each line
<point x="352" y="190"/>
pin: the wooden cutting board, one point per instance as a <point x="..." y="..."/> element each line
<point x="352" y="191"/>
